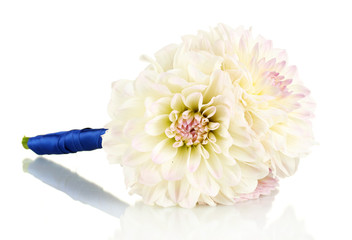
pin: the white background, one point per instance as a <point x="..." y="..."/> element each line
<point x="57" y="61"/>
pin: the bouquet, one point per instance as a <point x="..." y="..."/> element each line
<point x="216" y="119"/>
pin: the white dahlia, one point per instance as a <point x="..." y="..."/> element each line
<point x="208" y="119"/>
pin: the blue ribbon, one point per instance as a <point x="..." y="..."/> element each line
<point x="67" y="142"/>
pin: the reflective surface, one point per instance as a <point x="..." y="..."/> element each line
<point x="247" y="220"/>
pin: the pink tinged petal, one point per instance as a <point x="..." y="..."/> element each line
<point x="144" y="142"/>
<point x="178" y="190"/>
<point x="267" y="45"/>
<point x="164" y="151"/>
<point x="300" y="89"/>
<point x="279" y="66"/>
<point x="191" y="198"/>
<point x="270" y="64"/>
<point x="194" y="101"/>
<point x="214" y="166"/>
<point x="177" y="102"/>
<point x="194" y="159"/>
<point x="176" y="168"/>
<point x="231" y="175"/>
<point x="150" y="175"/>
<point x="288" y="103"/>
<point x="134" y="158"/>
<point x="291" y="72"/>
<point x="157" y="125"/>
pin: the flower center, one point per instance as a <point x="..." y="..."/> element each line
<point x="188" y="128"/>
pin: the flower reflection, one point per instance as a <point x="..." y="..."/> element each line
<point x="246" y="220"/>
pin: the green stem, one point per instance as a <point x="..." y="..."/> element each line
<point x="25" y="142"/>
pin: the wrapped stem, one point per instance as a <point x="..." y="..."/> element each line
<point x="65" y="142"/>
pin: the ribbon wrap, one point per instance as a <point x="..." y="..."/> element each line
<point x="73" y="141"/>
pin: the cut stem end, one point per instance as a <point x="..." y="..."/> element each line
<point x="25" y="142"/>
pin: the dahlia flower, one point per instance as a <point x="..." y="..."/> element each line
<point x="209" y="119"/>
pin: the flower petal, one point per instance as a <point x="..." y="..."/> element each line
<point x="240" y="135"/>
<point x="194" y="159"/>
<point x="204" y="181"/>
<point x="150" y="174"/>
<point x="165" y="56"/>
<point x="209" y="111"/>
<point x="191" y="198"/>
<point x="157" y="125"/>
<point x="194" y="101"/>
<point x="232" y="175"/>
<point x="246" y="185"/>
<point x="214" y="166"/>
<point x="144" y="142"/>
<point x="177" y="102"/>
<point x="255" y="170"/>
<point x="161" y="106"/>
<point x="219" y="81"/>
<point x="152" y="193"/>
<point x="175" y="169"/>
<point x="164" y="151"/>
<point x="178" y="190"/>
<point x="134" y="158"/>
